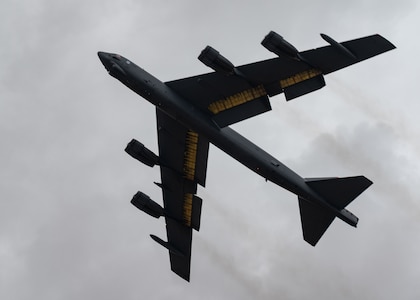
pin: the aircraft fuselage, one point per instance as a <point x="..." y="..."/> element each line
<point x="226" y="139"/>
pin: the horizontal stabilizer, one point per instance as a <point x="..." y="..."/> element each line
<point x="339" y="192"/>
<point x="315" y="220"/>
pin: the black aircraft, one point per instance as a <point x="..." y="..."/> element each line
<point x="195" y="111"/>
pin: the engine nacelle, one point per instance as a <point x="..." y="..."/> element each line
<point x="213" y="59"/>
<point x="277" y="44"/>
<point x="144" y="203"/>
<point x="138" y="151"/>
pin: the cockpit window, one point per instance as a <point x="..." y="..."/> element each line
<point x="116" y="56"/>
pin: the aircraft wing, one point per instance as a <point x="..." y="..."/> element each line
<point x="340" y="55"/>
<point x="183" y="162"/>
<point x="232" y="97"/>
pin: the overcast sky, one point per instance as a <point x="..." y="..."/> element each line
<point x="67" y="229"/>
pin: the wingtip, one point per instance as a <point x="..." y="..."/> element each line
<point x="184" y="275"/>
<point x="390" y="46"/>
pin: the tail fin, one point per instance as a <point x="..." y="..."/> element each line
<point x="338" y="192"/>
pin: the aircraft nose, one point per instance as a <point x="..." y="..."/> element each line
<point x="104" y="57"/>
<point x="110" y="62"/>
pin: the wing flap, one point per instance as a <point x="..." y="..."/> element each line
<point x="183" y="150"/>
<point x="304" y="87"/>
<point x="241" y="112"/>
<point x="197" y="203"/>
<point x="227" y="98"/>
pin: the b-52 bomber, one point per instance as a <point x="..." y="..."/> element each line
<point x="195" y="111"/>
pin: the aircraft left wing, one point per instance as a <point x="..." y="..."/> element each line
<point x="183" y="163"/>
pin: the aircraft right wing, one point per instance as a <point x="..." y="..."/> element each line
<point x="232" y="94"/>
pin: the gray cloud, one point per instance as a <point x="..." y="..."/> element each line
<point x="66" y="228"/>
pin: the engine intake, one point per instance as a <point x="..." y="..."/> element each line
<point x="213" y="59"/>
<point x="144" y="203"/>
<point x="277" y="44"/>
<point x="138" y="151"/>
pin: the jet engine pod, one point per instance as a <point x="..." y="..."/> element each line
<point x="277" y="44"/>
<point x="138" y="151"/>
<point x="144" y="203"/>
<point x="213" y="59"/>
